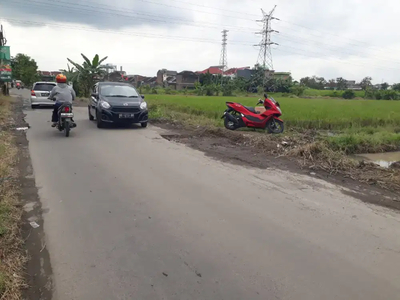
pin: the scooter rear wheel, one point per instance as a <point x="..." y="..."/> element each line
<point x="67" y="129"/>
<point x="229" y="124"/>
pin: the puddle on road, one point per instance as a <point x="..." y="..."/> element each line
<point x="382" y="159"/>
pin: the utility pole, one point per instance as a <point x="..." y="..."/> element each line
<point x="265" y="55"/>
<point x="223" y="61"/>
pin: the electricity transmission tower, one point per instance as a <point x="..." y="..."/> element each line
<point x="223" y="61"/>
<point x="3" y="40"/>
<point x="265" y="54"/>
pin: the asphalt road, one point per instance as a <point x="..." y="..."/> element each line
<point x="131" y="215"/>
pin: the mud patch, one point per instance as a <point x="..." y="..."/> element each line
<point x="231" y="147"/>
<point x="38" y="269"/>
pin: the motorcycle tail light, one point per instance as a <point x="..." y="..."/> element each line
<point x="66" y="109"/>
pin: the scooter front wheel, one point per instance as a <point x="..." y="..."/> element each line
<point x="229" y="124"/>
<point x="275" y="126"/>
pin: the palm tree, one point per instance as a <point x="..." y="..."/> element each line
<point x="89" y="71"/>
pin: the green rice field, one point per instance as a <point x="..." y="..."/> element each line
<point x="330" y="114"/>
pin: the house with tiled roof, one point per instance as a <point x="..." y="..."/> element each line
<point x="213" y="70"/>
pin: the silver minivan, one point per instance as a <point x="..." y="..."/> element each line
<point x="40" y="92"/>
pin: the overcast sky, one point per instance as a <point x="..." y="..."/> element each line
<point x="350" y="39"/>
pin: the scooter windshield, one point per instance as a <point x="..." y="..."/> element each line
<point x="272" y="99"/>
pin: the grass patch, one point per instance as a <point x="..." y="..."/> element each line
<point x="351" y="126"/>
<point x="11" y="255"/>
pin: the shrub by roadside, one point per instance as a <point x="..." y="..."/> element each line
<point x="12" y="257"/>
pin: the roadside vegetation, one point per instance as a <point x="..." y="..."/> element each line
<point x="11" y="255"/>
<point x="355" y="126"/>
<point x="320" y="133"/>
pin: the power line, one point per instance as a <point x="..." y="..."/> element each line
<point x="86" y="9"/>
<point x="124" y="33"/>
<point x="291" y="23"/>
<point x="265" y="54"/>
<point x="217" y="8"/>
<point x="232" y="11"/>
<point x="78" y="9"/>
<point x="187" y="39"/>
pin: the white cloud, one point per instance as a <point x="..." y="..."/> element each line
<point x="331" y="39"/>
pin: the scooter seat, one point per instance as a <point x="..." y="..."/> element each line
<point x="249" y="108"/>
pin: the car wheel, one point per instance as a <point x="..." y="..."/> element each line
<point x="33" y="106"/>
<point x="144" y="125"/>
<point x="99" y="121"/>
<point x="91" y="118"/>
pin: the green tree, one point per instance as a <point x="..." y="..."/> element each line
<point x="396" y="87"/>
<point x="349" y="94"/>
<point x="331" y="83"/>
<point x="341" y="83"/>
<point x="241" y="84"/>
<point x="89" y="72"/>
<point x="297" y="90"/>
<point x="25" y="69"/>
<point x="314" y="82"/>
<point x="366" y="83"/>
<point x="228" y="88"/>
<point x="384" y="86"/>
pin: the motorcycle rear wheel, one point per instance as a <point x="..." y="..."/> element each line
<point x="275" y="126"/>
<point x="229" y="124"/>
<point x="67" y="129"/>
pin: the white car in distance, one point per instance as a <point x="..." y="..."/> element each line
<point x="40" y="92"/>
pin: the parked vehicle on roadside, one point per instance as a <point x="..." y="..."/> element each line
<point x="65" y="122"/>
<point x="238" y="115"/>
<point x="40" y="93"/>
<point x="117" y="103"/>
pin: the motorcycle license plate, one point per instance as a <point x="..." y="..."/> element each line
<point x="67" y="115"/>
<point x="125" y="116"/>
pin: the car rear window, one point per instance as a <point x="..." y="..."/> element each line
<point x="44" y="87"/>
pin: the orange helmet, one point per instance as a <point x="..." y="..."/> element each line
<point x="61" y="78"/>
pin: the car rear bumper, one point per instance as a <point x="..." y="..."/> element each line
<point x="112" y="117"/>
<point x="40" y="101"/>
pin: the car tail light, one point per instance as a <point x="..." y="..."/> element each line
<point x="66" y="109"/>
<point x="33" y="93"/>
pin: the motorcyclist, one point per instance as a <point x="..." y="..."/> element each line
<point x="62" y="92"/>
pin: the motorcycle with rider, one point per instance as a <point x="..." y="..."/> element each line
<point x="63" y="95"/>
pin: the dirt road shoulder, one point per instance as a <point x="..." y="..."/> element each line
<point x="257" y="151"/>
<point x="25" y="270"/>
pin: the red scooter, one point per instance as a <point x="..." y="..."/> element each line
<point x="237" y="115"/>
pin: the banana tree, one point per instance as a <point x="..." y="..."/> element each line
<point x="71" y="73"/>
<point x="89" y="71"/>
<point x="72" y="77"/>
